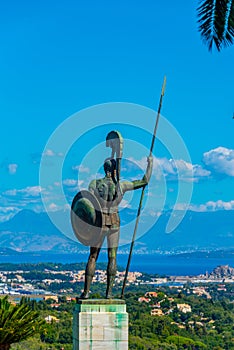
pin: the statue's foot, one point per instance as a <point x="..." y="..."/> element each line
<point x="84" y="295"/>
<point x="109" y="296"/>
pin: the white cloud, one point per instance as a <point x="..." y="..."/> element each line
<point x="178" y="168"/>
<point x="33" y="191"/>
<point x="200" y="172"/>
<point x="72" y="185"/>
<point x="51" y="153"/>
<point x="7" y="210"/>
<point x="182" y="206"/>
<point x="94" y="177"/>
<point x="174" y="169"/>
<point x="220" y="160"/>
<point x="81" y="168"/>
<point x="53" y="207"/>
<point x="142" y="163"/>
<point x="7" y="213"/>
<point x="208" y="206"/>
<point x="124" y="204"/>
<point x="12" y="168"/>
<point x="70" y="182"/>
<point x="154" y="213"/>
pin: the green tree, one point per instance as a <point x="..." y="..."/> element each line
<point x="216" y="22"/>
<point x="49" y="335"/>
<point x="17" y="323"/>
<point x="160" y="296"/>
<point x="181" y="341"/>
<point x="165" y="304"/>
<point x="65" y="337"/>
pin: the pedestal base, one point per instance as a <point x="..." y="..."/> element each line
<point x="100" y="324"/>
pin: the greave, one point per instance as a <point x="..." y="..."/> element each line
<point x="88" y="281"/>
<point x="110" y="282"/>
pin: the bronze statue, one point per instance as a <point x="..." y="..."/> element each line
<point x="95" y="214"/>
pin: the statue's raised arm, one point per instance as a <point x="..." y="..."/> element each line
<point x="134" y="185"/>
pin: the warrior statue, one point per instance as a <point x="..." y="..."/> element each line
<point x="95" y="216"/>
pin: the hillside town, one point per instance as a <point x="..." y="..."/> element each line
<point x="25" y="282"/>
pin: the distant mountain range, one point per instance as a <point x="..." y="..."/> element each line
<point x="33" y="232"/>
<point x="197" y="231"/>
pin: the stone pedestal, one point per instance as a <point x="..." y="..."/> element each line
<point x="100" y="324"/>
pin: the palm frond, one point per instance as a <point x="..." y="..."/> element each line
<point x="17" y="322"/>
<point x="216" y="22"/>
<point x="230" y="26"/>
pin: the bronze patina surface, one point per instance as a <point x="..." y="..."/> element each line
<point x="100" y="221"/>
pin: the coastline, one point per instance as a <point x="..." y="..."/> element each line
<point x="151" y="264"/>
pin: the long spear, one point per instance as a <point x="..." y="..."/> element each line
<point x="143" y="190"/>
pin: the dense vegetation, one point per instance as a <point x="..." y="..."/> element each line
<point x="210" y="325"/>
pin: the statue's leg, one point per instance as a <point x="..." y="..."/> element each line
<point x="90" y="270"/>
<point x="113" y="240"/>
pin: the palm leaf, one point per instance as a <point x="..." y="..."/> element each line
<point x="216" y="22"/>
<point x="17" y="322"/>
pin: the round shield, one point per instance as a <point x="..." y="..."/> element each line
<point x="86" y="218"/>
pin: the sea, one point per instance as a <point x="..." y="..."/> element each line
<point x="163" y="265"/>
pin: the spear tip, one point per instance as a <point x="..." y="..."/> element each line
<point x="164" y="85"/>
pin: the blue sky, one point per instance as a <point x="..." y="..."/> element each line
<point x="59" y="57"/>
